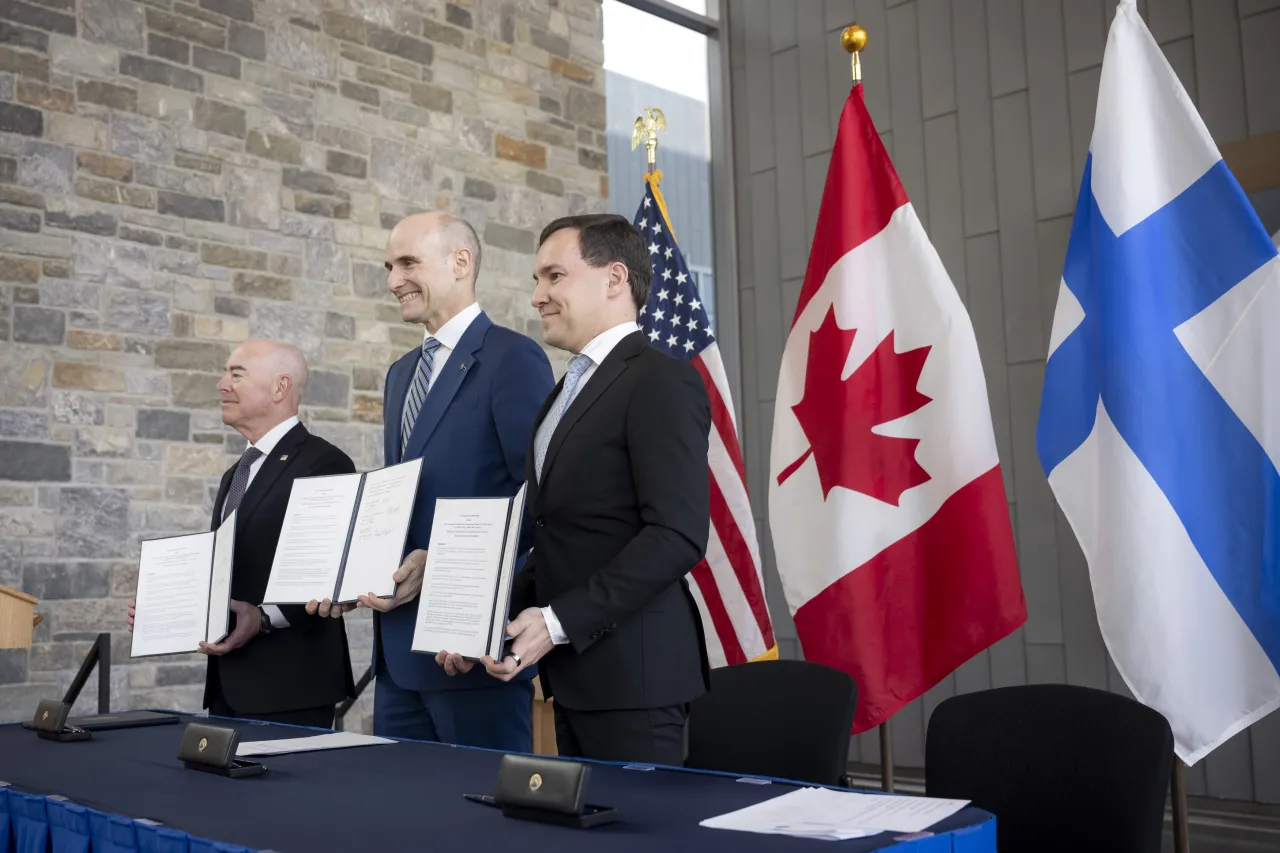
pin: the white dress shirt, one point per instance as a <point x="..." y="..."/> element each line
<point x="597" y="349"/>
<point x="267" y="444"/>
<point x="448" y="335"/>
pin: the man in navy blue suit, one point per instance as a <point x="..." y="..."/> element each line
<point x="465" y="402"/>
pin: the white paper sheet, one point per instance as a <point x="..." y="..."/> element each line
<point x="382" y="522"/>
<point x="312" y="539"/>
<point x="460" y="583"/>
<point x="171" y="615"/>
<point x="837" y="815"/>
<point x="335" y="740"/>
<point x="220" y="580"/>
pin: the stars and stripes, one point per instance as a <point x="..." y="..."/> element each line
<point x="727" y="585"/>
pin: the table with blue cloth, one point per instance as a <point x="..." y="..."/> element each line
<point x="125" y="790"/>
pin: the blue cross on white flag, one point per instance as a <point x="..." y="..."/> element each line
<point x="1160" y="420"/>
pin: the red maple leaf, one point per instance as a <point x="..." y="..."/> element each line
<point x="837" y="415"/>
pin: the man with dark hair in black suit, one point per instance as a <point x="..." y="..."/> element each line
<point x="619" y="497"/>
<point x="278" y="664"/>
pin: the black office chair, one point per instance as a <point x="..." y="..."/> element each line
<point x="1062" y="768"/>
<point x="788" y="719"/>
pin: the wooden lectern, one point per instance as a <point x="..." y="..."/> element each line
<point x="544" y="721"/>
<point x="17" y="618"/>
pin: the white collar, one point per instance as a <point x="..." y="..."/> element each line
<point x="452" y="331"/>
<point x="599" y="347"/>
<point x="269" y="441"/>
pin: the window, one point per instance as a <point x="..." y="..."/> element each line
<point x="652" y="62"/>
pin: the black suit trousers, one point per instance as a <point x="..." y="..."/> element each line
<point x="642" y="736"/>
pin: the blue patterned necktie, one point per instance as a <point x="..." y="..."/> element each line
<point x="577" y="366"/>
<point x="240" y="481"/>
<point x="418" y="390"/>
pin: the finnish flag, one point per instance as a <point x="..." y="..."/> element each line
<point x="1160" y="420"/>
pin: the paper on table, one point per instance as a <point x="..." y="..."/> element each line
<point x="335" y="740"/>
<point x="382" y="523"/>
<point x="824" y="813"/>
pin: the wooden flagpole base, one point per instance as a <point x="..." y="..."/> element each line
<point x="886" y="757"/>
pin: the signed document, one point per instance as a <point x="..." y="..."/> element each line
<point x="184" y="592"/>
<point x="343" y="535"/>
<point x="466" y="586"/>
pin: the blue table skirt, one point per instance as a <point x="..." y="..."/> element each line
<point x="35" y="823"/>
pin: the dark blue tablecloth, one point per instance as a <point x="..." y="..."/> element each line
<point x="401" y="796"/>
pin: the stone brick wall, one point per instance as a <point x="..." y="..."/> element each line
<point x="175" y="178"/>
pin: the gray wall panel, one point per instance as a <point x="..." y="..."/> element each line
<point x="982" y="272"/>
<point x="1229" y="769"/>
<point x="839" y="83"/>
<point x="1253" y="7"/>
<point x="1169" y="19"/>
<point x="1037" y="537"/>
<point x="875" y="60"/>
<point x="1006" y="51"/>
<point x="1025" y="339"/>
<point x="816" y="54"/>
<point x="815" y="178"/>
<point x="973" y="100"/>
<point x="1182" y="58"/>
<point x="937" y="60"/>
<point x="759" y="88"/>
<point x="790" y="162"/>
<point x="1261" y="48"/>
<point x="908" y="735"/>
<point x="904" y="93"/>
<point x="1087" y="32"/>
<point x="1052" y="238"/>
<point x="1050" y="124"/>
<point x="782" y="26"/>
<point x="946" y="214"/>
<point x="1082" y="95"/>
<point x="1219" y="76"/>
<point x="1009" y="661"/>
<point x="1265" y="737"/>
<point x="839" y="14"/>
<point x="1045" y="664"/>
<point x="1086" y="653"/>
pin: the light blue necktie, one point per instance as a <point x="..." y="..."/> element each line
<point x="577" y="366"/>
<point x="418" y="390"/>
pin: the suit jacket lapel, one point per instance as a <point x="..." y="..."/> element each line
<point x="613" y="366"/>
<point x="393" y="411"/>
<point x="446" y="385"/>
<point x="272" y="467"/>
<point x="223" y="488"/>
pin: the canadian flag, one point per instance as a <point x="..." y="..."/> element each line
<point x="886" y="502"/>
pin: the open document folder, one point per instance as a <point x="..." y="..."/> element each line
<point x="837" y="815"/>
<point x="184" y="591"/>
<point x="466" y="585"/>
<point x="343" y="535"/>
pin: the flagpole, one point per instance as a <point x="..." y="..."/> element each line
<point x="853" y="39"/>
<point x="1178" y="793"/>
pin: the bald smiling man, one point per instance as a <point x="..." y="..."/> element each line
<point x="278" y="664"/>
<point x="464" y="402"/>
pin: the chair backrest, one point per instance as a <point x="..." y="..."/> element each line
<point x="784" y="718"/>
<point x="1061" y="767"/>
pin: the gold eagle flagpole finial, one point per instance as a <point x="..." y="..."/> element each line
<point x="646" y="128"/>
<point x="854" y="39"/>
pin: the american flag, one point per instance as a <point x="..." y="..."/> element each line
<point x="727" y="585"/>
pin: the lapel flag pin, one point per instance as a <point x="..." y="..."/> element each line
<point x="284" y="457"/>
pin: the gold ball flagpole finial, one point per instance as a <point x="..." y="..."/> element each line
<point x="854" y="39"/>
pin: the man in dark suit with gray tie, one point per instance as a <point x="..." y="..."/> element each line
<point x="277" y="664"/>
<point x="620" y="501"/>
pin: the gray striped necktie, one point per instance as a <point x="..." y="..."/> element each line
<point x="240" y="481"/>
<point x="577" y="366"/>
<point x="418" y="390"/>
